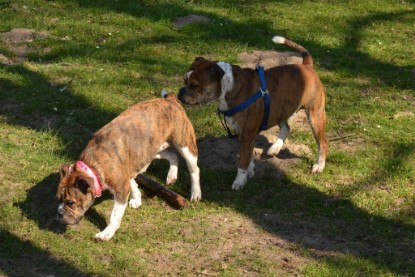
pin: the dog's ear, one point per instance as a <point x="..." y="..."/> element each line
<point x="65" y="170"/>
<point x="84" y="184"/>
<point x="196" y="62"/>
<point x="199" y="59"/>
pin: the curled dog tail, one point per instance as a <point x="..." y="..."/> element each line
<point x="307" y="59"/>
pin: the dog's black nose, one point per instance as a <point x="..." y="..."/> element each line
<point x="181" y="94"/>
<point x="59" y="216"/>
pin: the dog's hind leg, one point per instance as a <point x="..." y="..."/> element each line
<point x="191" y="161"/>
<point x="174" y="165"/>
<point x="135" y="200"/>
<point x="317" y="121"/>
<point x="276" y="147"/>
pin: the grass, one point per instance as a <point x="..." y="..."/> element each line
<point x="355" y="219"/>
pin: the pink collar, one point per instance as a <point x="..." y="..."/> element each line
<point x="90" y="173"/>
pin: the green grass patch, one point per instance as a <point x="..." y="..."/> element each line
<point x="98" y="58"/>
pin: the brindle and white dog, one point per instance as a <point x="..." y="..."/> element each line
<point x="121" y="150"/>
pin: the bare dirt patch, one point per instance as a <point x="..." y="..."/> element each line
<point x="18" y="42"/>
<point x="269" y="58"/>
<point x="180" y="22"/>
<point x="236" y="240"/>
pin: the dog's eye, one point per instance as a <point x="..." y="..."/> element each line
<point x="69" y="203"/>
<point x="193" y="86"/>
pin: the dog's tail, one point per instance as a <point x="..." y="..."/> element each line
<point x="164" y="93"/>
<point x="307" y="59"/>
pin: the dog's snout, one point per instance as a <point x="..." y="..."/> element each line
<point x="59" y="216"/>
<point x="181" y="94"/>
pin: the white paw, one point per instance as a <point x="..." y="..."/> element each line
<point x="318" y="167"/>
<point x="238" y="185"/>
<point x="240" y="180"/>
<point x="104" y="235"/>
<point x="251" y="169"/>
<point x="134" y="203"/>
<point x="274" y="150"/>
<point x="171" y="176"/>
<point x="196" y="195"/>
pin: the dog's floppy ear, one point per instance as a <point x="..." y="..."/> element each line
<point x="84" y="184"/>
<point x="65" y="170"/>
<point x="199" y="59"/>
<point x="196" y="62"/>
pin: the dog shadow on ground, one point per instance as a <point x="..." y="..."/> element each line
<point x="320" y="222"/>
<point x="38" y="206"/>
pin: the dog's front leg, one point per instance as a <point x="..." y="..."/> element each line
<point x="246" y="163"/>
<point x="120" y="203"/>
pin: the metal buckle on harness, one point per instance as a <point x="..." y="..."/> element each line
<point x="263" y="92"/>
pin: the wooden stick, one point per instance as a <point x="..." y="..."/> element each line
<point x="173" y="198"/>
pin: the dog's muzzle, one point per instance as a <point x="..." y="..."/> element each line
<point x="68" y="217"/>
<point x="181" y="95"/>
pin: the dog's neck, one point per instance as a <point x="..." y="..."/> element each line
<point x="233" y="88"/>
<point x="227" y="84"/>
<point x="90" y="172"/>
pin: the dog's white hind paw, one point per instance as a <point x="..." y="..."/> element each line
<point x="171" y="178"/>
<point x="251" y="169"/>
<point x="238" y="185"/>
<point x="317" y="168"/>
<point x="196" y="195"/>
<point x="134" y="203"/>
<point x="104" y="235"/>
<point x="274" y="150"/>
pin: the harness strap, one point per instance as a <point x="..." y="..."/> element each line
<point x="225" y="125"/>
<point x="265" y="95"/>
<point x="248" y="102"/>
<point x="262" y="93"/>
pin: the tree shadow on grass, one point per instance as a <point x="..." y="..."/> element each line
<point x="302" y="215"/>
<point x="328" y="226"/>
<point x="22" y="258"/>
<point x="34" y="102"/>
<point x="258" y="33"/>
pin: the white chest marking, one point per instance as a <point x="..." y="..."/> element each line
<point x="226" y="84"/>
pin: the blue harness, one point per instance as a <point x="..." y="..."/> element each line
<point x="261" y="93"/>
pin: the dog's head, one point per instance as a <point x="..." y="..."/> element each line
<point x="75" y="192"/>
<point x="202" y="82"/>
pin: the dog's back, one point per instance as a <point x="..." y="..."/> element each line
<point x="132" y="139"/>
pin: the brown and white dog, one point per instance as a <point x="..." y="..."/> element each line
<point x="121" y="150"/>
<point x="291" y="87"/>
